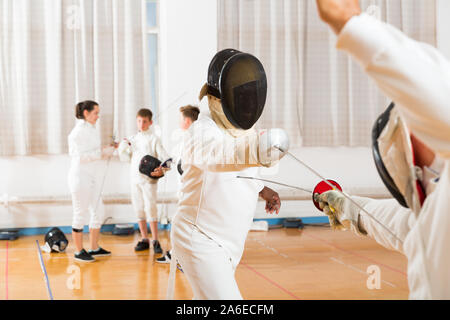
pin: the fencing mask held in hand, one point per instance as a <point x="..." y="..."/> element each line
<point x="148" y="164"/>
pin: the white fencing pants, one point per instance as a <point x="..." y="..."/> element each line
<point x="208" y="268"/>
<point x="86" y="190"/>
<point x="144" y="200"/>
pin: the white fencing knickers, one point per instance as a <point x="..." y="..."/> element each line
<point x="144" y="200"/>
<point x="85" y="189"/>
<point x="207" y="266"/>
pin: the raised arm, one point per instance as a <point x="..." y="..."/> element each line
<point x="414" y="75"/>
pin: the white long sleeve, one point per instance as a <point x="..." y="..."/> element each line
<point x="161" y="153"/>
<point x="390" y="214"/>
<point x="413" y="74"/>
<point x="84" y="143"/>
<point x="206" y="146"/>
<point x="417" y="77"/>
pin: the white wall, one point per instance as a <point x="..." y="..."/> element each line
<point x="188" y="42"/>
<point x="44" y="178"/>
<point x="443" y="26"/>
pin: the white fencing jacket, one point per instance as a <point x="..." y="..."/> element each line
<point x="211" y="197"/>
<point x="417" y="77"/>
<point x="142" y="144"/>
<point x="85" y="151"/>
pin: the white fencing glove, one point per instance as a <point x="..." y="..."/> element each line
<point x="270" y="141"/>
<point x="342" y="213"/>
<point x="124" y="151"/>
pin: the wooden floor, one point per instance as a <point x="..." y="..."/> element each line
<point x="313" y="263"/>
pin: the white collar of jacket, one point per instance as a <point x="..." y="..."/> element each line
<point x="147" y="132"/>
<point x="82" y="122"/>
<point x="431" y="175"/>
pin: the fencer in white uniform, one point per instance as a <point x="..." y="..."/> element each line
<point x="85" y="174"/>
<point x="143" y="188"/>
<point x="85" y="179"/>
<point x="216" y="209"/>
<point x="417" y="78"/>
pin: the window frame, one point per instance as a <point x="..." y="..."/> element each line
<point x="155" y="30"/>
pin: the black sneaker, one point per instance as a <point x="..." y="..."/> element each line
<point x="142" y="245"/>
<point x="100" y="252"/>
<point x="167" y="258"/>
<point x="157" y="246"/>
<point x="84" y="256"/>
<point x="164" y="259"/>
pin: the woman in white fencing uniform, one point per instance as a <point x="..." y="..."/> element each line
<point x="216" y="209"/>
<point x="85" y="178"/>
<point x="411" y="147"/>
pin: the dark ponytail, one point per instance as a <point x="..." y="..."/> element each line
<point x="85" y="105"/>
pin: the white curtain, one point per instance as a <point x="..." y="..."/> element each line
<point x="56" y="53"/>
<point x="315" y="92"/>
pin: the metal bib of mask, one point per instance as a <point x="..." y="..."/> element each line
<point x="394" y="159"/>
<point x="238" y="79"/>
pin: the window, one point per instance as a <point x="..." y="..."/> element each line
<point x="152" y="16"/>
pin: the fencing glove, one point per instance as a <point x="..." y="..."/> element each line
<point x="342" y="213"/>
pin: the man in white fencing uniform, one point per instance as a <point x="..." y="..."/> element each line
<point x="411" y="144"/>
<point x="216" y="209"/>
